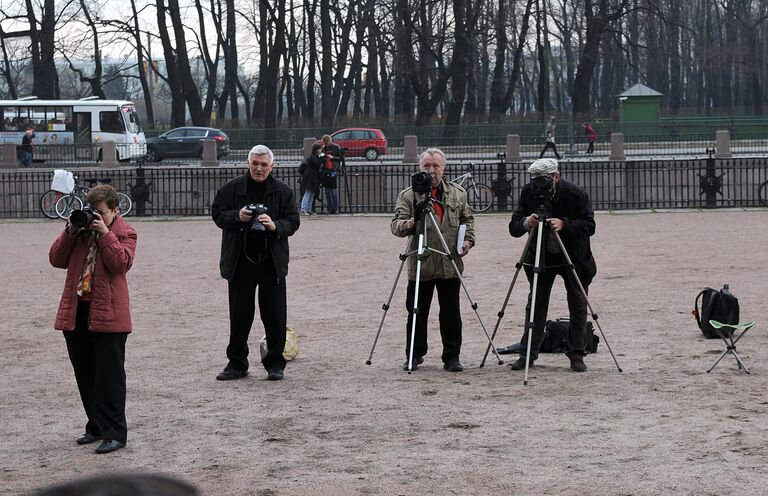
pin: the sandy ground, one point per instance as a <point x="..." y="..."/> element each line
<point x="336" y="426"/>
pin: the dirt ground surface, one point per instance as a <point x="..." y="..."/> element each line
<point x="339" y="427"/>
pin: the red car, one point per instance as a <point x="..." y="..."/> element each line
<point x="361" y="142"/>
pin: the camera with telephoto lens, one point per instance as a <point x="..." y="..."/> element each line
<point x="256" y="210"/>
<point x="81" y="219"/>
<point x="421" y="182"/>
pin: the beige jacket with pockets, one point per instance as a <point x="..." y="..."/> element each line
<point x="456" y="211"/>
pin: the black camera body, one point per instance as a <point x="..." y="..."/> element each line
<point x="542" y="190"/>
<point x="256" y="210"/>
<point x="421" y="182"/>
<point x="81" y="219"/>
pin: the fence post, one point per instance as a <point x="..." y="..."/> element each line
<point x="513" y="148"/>
<point x="723" y="144"/>
<point x="209" y="158"/>
<point x="617" y="148"/>
<point x="308" y="143"/>
<point x="410" y="149"/>
<point x="109" y="154"/>
<point x="8" y="156"/>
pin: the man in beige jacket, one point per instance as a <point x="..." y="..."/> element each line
<point x="450" y="210"/>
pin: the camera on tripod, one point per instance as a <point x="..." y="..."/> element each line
<point x="542" y="190"/>
<point x="421" y="182"/>
<point x="256" y="210"/>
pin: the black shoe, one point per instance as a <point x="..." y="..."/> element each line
<point x="578" y="365"/>
<point x="87" y="438"/>
<point x="109" y="445"/>
<point x="417" y="360"/>
<point x="275" y="374"/>
<point x="519" y="364"/>
<point x="229" y="374"/>
<point x="453" y="365"/>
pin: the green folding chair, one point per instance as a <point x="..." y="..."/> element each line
<point x="728" y="333"/>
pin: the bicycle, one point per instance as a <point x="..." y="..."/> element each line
<point x="55" y="204"/>
<point x="480" y="195"/>
<point x="762" y="194"/>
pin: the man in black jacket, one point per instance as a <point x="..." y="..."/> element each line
<point x="571" y="216"/>
<point x="254" y="253"/>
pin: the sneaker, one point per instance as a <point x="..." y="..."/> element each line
<point x="519" y="364"/>
<point x="417" y="360"/>
<point x="453" y="365"/>
<point x="578" y="365"/>
<point x="229" y="374"/>
<point x="303" y="212"/>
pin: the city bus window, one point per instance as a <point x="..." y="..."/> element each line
<point x="10" y="118"/>
<point x="110" y="122"/>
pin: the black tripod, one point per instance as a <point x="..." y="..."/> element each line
<point x="423" y="212"/>
<point x="542" y="230"/>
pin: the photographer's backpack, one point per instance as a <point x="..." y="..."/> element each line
<point x="720" y="306"/>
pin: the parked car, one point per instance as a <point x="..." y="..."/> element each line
<point x="185" y="142"/>
<point x="361" y="142"/>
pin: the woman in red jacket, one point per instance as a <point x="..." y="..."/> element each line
<point x="591" y="137"/>
<point x="94" y="313"/>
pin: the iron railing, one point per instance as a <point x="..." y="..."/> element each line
<point x="368" y="188"/>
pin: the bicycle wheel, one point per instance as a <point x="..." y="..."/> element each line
<point x="762" y="193"/>
<point x="48" y="203"/>
<point x="480" y="197"/>
<point x="67" y="204"/>
<point x="126" y="204"/>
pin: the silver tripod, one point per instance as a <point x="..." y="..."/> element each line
<point x="537" y="269"/>
<point x="425" y="216"/>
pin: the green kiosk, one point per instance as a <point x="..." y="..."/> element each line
<point x="640" y="111"/>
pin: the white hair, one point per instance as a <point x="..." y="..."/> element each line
<point x="261" y="150"/>
<point x="431" y="151"/>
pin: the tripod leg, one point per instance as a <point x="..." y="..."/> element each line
<point x="347" y="189"/>
<point x="506" y="300"/>
<point x="385" y="307"/>
<point x="420" y="255"/>
<point x="534" y="289"/>
<point x="584" y="294"/>
<point x="464" y="286"/>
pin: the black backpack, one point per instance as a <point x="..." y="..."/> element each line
<point x="721" y="306"/>
<point x="555" y="339"/>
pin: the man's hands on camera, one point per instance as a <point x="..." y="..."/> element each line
<point x="533" y="220"/>
<point x="246" y="215"/>
<point x="410" y="225"/>
<point x="98" y="225"/>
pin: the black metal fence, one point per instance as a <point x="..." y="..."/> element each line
<point x="369" y="188"/>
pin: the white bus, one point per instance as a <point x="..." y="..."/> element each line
<point x="80" y="125"/>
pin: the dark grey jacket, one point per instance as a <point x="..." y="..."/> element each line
<point x="225" y="211"/>
<point x="571" y="204"/>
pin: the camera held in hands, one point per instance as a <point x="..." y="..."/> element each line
<point x="81" y="219"/>
<point x="256" y="210"/>
<point x="421" y="182"/>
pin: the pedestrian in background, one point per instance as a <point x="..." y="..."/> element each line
<point x="591" y="137"/>
<point x="550" y="137"/>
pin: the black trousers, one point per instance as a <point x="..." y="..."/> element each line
<point x="547" y="146"/>
<point x="242" y="308"/>
<point x="98" y="359"/>
<point x="450" y="316"/>
<point x="577" y="308"/>
<point x="591" y="147"/>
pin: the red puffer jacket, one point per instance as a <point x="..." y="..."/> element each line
<point x="110" y="304"/>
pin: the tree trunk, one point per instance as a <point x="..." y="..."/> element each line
<point x="178" y="107"/>
<point x="188" y="85"/>
<point x="150" y="121"/>
<point x="327" y="110"/>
